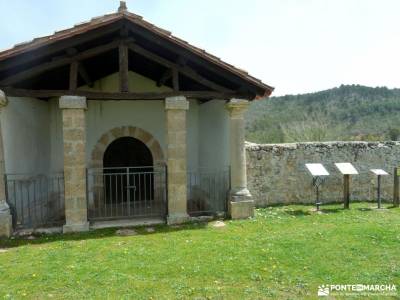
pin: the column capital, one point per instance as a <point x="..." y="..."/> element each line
<point x="177" y="102"/>
<point x="3" y="99"/>
<point x="237" y="107"/>
<point x="72" y="102"/>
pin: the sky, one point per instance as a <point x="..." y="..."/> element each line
<point x="297" y="46"/>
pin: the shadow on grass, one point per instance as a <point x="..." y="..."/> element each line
<point x="310" y="212"/>
<point x="332" y="210"/>
<point x="364" y="209"/>
<point x="297" y="213"/>
<point x="94" y="234"/>
<point x="392" y="207"/>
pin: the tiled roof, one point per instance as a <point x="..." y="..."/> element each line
<point x="124" y="14"/>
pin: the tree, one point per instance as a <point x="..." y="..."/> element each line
<point x="394" y="134"/>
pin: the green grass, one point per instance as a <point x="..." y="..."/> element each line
<point x="285" y="252"/>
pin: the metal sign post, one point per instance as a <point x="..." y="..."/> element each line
<point x="346" y="169"/>
<point x="317" y="182"/>
<point x="319" y="173"/>
<point x="379" y="173"/>
<point x="396" y="175"/>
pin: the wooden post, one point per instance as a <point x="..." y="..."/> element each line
<point x="123" y="68"/>
<point x="379" y="191"/>
<point x="175" y="79"/>
<point x="396" y="187"/>
<point x="73" y="76"/>
<point x="346" y="191"/>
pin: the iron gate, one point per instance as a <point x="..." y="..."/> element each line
<point x="129" y="192"/>
<point x="208" y="191"/>
<point x="36" y="200"/>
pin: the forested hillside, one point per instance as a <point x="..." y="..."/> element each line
<point x="349" y="112"/>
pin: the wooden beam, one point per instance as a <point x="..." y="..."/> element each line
<point x="58" y="63"/>
<point x="396" y="185"/>
<point x="85" y="75"/>
<point x="94" y="95"/>
<point x="73" y="75"/>
<point x="71" y="51"/>
<point x="47" y="50"/>
<point x="165" y="76"/>
<point x="182" y="51"/>
<point x="185" y="70"/>
<point x="175" y="79"/>
<point x="123" y="68"/>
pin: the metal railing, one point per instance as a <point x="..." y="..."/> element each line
<point x="118" y="193"/>
<point x="208" y="191"/>
<point x="36" y="200"/>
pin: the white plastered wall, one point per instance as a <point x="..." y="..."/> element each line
<point x="32" y="128"/>
<point x="213" y="135"/>
<point x="103" y="116"/>
<point x="25" y="128"/>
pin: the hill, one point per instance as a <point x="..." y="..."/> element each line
<point x="347" y="113"/>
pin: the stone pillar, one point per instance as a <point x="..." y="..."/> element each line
<point x="5" y="214"/>
<point x="176" y="108"/>
<point x="74" y="135"/>
<point x="241" y="204"/>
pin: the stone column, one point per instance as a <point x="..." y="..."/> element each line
<point x="5" y="214"/>
<point x="176" y="108"/>
<point x="74" y="135"/>
<point x="241" y="204"/>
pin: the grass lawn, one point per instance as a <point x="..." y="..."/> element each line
<point x="285" y="252"/>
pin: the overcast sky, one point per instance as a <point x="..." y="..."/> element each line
<point x="298" y="46"/>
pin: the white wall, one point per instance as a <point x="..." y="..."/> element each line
<point x="192" y="121"/>
<point x="33" y="128"/>
<point x="25" y="128"/>
<point x="213" y="135"/>
<point x="103" y="116"/>
<point x="56" y="137"/>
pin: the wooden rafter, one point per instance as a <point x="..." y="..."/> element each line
<point x="185" y="70"/>
<point x="135" y="29"/>
<point x="58" y="63"/>
<point x="50" y="50"/>
<point x="123" y="68"/>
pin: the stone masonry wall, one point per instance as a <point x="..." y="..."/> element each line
<point x="277" y="173"/>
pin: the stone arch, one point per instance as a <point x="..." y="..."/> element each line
<point x="96" y="159"/>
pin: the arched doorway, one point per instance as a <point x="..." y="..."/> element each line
<point x="127" y="176"/>
<point x="127" y="152"/>
<point x="128" y="172"/>
<point x="131" y="184"/>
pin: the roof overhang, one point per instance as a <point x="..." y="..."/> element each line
<point x="197" y="68"/>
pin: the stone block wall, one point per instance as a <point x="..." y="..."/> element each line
<point x="277" y="174"/>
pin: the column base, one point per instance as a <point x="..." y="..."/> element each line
<point x="68" y="228"/>
<point x="241" y="194"/>
<point x="241" y="210"/>
<point x="177" y="218"/>
<point x="6" y="228"/>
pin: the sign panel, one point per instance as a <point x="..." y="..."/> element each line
<point x="346" y="168"/>
<point x="379" y="172"/>
<point x="317" y="170"/>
